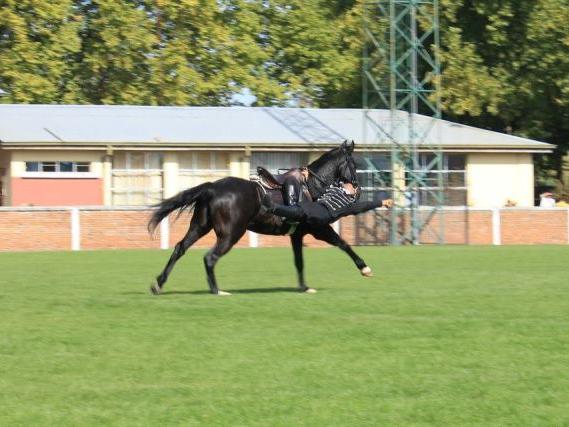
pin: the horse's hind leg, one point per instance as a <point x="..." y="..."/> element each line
<point x="328" y="235"/>
<point x="199" y="226"/>
<point x="224" y="243"/>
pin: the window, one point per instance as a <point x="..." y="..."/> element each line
<point x="201" y="166"/>
<point x="375" y="176"/>
<point x="452" y="178"/>
<point x="137" y="178"/>
<point x="66" y="166"/>
<point x="32" y="166"/>
<point x="49" y="166"/>
<point x="374" y="173"/>
<point x="83" y="167"/>
<point x="61" y="166"/>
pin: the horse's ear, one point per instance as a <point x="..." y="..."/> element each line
<point x="351" y="146"/>
<point x="344" y="145"/>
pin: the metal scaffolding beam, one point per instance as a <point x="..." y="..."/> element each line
<point x="401" y="73"/>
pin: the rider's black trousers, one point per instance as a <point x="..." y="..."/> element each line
<point x="315" y="213"/>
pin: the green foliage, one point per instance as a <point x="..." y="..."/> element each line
<point x="113" y="65"/>
<point x="38" y="41"/>
<point x="310" y="49"/>
<point x="506" y="67"/>
<point x="171" y="52"/>
<point x="505" y="63"/>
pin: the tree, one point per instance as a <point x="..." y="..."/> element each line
<point x="506" y="68"/>
<point x="113" y="66"/>
<point x="38" y="40"/>
<point x="310" y="50"/>
<point x="206" y="51"/>
<point x="544" y="83"/>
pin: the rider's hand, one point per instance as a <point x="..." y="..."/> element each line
<point x="387" y="203"/>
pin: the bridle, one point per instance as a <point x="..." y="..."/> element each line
<point x="350" y="167"/>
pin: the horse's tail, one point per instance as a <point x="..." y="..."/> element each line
<point x="182" y="201"/>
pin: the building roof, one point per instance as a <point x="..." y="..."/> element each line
<point x="27" y="124"/>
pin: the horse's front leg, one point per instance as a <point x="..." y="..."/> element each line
<point x="296" y="240"/>
<point x="328" y="235"/>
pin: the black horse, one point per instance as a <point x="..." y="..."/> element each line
<point x="231" y="206"/>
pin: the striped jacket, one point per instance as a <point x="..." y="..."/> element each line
<point x="336" y="199"/>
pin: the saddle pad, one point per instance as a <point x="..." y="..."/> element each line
<point x="267" y="185"/>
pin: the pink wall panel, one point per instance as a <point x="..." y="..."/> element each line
<point x="56" y="191"/>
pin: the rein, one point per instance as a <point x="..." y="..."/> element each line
<point x="318" y="177"/>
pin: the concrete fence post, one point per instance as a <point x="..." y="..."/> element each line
<point x="75" y="230"/>
<point x="336" y="227"/>
<point x="253" y="239"/>
<point x="165" y="233"/>
<point x="496" y="227"/>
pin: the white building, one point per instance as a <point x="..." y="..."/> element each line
<point x="125" y="155"/>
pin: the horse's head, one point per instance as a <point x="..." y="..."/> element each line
<point x="335" y="165"/>
<point x="347" y="166"/>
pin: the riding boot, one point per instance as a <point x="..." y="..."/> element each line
<point x="292" y="192"/>
<point x="291" y="212"/>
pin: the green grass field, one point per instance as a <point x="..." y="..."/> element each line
<point x="441" y="336"/>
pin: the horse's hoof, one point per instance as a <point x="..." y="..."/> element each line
<point x="155" y="289"/>
<point x="366" y="272"/>
<point x="310" y="291"/>
<point x="223" y="293"/>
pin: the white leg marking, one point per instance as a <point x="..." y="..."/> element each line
<point x="223" y="293"/>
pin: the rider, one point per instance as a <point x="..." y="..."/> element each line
<point x="339" y="200"/>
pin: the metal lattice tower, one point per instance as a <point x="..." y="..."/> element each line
<point x="401" y="73"/>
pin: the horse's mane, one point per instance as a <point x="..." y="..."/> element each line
<point x="325" y="158"/>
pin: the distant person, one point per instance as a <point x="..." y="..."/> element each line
<point x="546" y="200"/>
<point x="511" y="203"/>
<point x="410" y="199"/>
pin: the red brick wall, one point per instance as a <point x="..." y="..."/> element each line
<point x="33" y="230"/>
<point x="479" y="227"/>
<point x="37" y="229"/>
<point x="460" y="227"/>
<point x="284" y="241"/>
<point x="179" y="227"/>
<point x="534" y="227"/>
<point x="106" y="229"/>
<point x="347" y="230"/>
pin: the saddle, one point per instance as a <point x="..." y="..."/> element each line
<point x="275" y="182"/>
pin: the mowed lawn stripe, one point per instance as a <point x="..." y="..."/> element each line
<point x="440" y="336"/>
